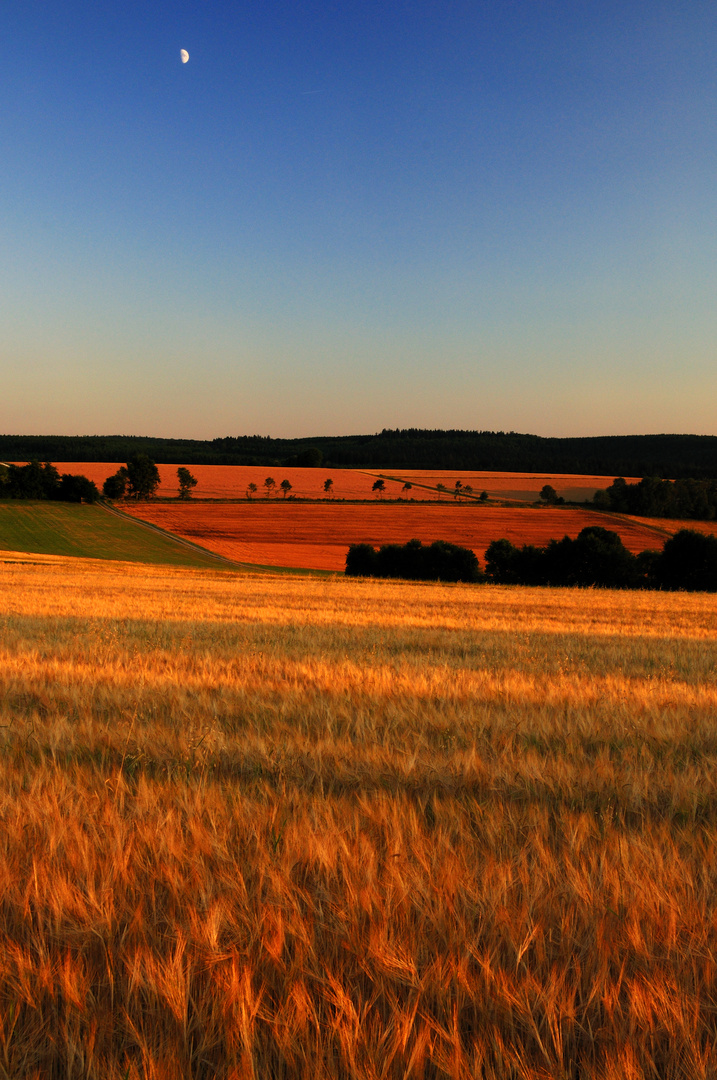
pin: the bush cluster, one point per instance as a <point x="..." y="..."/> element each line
<point x="43" y="481"/>
<point x="139" y="479"/>
<point x="413" y="561"/>
<point x="652" y="497"/>
<point x="598" y="556"/>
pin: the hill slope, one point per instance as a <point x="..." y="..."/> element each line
<point x="91" y="532"/>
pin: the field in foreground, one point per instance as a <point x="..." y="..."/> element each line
<point x="82" y="531"/>
<point x="317" y="536"/>
<point x="269" y="827"/>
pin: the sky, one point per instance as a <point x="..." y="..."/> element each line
<point x="339" y="217"/>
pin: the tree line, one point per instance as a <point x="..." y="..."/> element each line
<point x="596" y="557"/>
<point x="680" y="456"/>
<point x="653" y="497"/>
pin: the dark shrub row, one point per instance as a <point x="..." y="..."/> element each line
<point x="652" y="497"/>
<point x="36" y="481"/>
<point x="598" y="556"/>
<point x="439" y="561"/>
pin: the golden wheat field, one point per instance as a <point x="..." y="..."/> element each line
<point x="273" y="827"/>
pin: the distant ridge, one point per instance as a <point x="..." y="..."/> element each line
<point x="670" y="456"/>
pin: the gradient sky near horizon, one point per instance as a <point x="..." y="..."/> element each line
<point x="343" y="216"/>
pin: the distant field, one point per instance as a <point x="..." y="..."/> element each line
<point x="231" y="481"/>
<point x="518" y="486"/>
<point x="271" y="533"/>
<point x="88" y="531"/>
<point x="262" y="826"/>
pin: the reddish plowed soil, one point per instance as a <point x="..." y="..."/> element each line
<point x="318" y="536"/>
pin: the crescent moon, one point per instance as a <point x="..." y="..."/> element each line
<point x="184" y="55"/>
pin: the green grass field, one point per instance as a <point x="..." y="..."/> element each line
<point x="91" y="532"/>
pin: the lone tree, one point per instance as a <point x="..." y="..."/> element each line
<point x="407" y="487"/>
<point x="328" y="487"/>
<point x="483" y="496"/>
<point x="186" y="483"/>
<point x="379" y="487"/>
<point x="269" y="484"/>
<point x="468" y="490"/>
<point x="285" y="486"/>
<point x="457" y="490"/>
<point x="548" y="494"/>
<point x="441" y="488"/>
<point x="251" y="490"/>
<point x="143" y="476"/>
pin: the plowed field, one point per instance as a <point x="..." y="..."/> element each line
<point x="231" y="482"/>
<point x="318" y="536"/>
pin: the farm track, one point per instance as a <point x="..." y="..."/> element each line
<point x="182" y="541"/>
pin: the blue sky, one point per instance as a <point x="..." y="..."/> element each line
<point x="339" y="217"/>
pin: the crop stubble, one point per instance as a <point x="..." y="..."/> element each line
<point x="266" y="826"/>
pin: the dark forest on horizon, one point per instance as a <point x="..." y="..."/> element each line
<point x="673" y="456"/>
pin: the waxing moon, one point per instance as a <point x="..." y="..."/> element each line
<point x="184" y="55"/>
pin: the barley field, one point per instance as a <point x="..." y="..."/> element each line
<point x="262" y="826"/>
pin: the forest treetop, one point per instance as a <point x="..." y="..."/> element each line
<point x="672" y="456"/>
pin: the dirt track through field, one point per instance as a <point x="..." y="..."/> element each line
<point x="317" y="536"/>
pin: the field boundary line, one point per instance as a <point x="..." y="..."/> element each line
<point x="172" y="536"/>
<point x="229" y="563"/>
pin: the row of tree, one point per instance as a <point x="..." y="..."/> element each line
<point x="270" y="487"/>
<point x="596" y="557"/>
<point x="41" y="480"/>
<point x="652" y="497"/>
